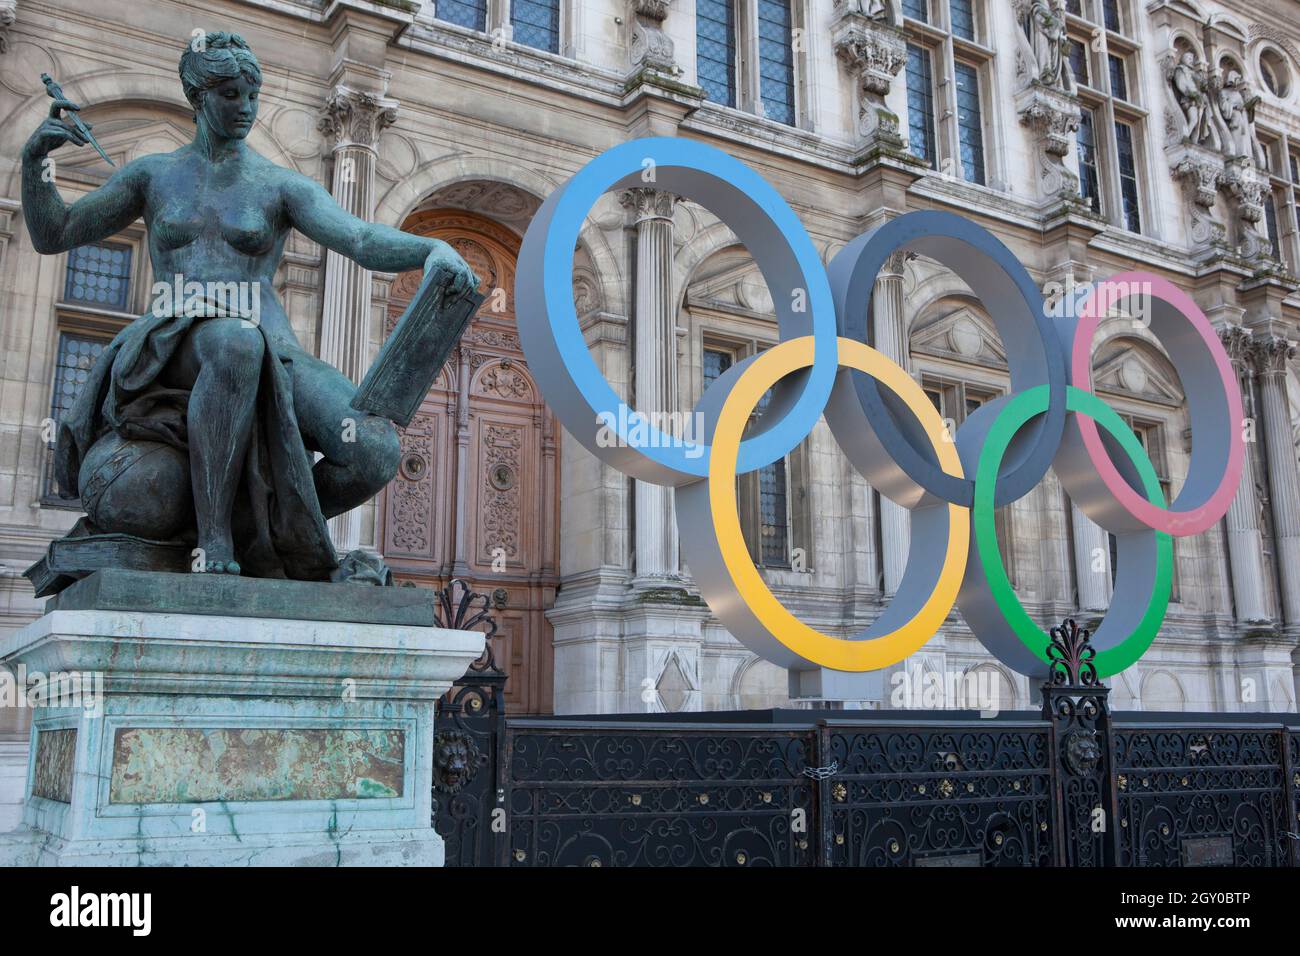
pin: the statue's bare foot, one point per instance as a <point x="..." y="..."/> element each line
<point x="219" y="560"/>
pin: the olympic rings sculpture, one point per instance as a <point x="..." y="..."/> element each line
<point x="884" y="423"/>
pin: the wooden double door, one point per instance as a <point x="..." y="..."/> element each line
<point x="476" y="496"/>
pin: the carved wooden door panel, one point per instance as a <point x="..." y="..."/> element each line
<point x="477" y="493"/>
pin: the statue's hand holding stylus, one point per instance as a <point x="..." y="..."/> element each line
<point x="54" y="132"/>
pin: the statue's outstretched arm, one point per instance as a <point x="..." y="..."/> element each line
<point x="314" y="212"/>
<point x="57" y="227"/>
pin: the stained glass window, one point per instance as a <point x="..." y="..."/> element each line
<point x="1295" y="181"/>
<point x="1086" y="143"/>
<point x="76" y="356"/>
<point x="970" y="124"/>
<point x="775" y="530"/>
<point x="463" y="13"/>
<point x="99" y="275"/>
<point x="1128" y="184"/>
<point x="1079" y="62"/>
<point x="1110" y="13"/>
<point x="920" y="104"/>
<point x="962" y="13"/>
<point x="917" y="10"/>
<point x="776" y="60"/>
<point x="715" y="49"/>
<point x="536" y="23"/>
<point x="715" y="363"/>
<point x="1270" y="221"/>
<point x="1118" y="78"/>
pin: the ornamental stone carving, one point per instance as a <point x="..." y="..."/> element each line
<point x="649" y="203"/>
<point x="1046" y="100"/>
<point x="1054" y="118"/>
<point x="1247" y="187"/>
<point x="8" y="14"/>
<point x="650" y="47"/>
<point x="1236" y="103"/>
<point x="355" y="117"/>
<point x="1042" y="57"/>
<point x="1212" y="148"/>
<point x="1199" y="170"/>
<point x="1189" y="87"/>
<point x="870" y="44"/>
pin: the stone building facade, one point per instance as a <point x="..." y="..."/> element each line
<point x="1090" y="136"/>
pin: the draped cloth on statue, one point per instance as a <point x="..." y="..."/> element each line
<point x="279" y="531"/>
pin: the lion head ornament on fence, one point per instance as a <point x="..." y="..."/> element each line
<point x="882" y="420"/>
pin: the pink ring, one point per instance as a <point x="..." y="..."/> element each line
<point x="1170" y="520"/>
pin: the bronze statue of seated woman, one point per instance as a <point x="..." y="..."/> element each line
<point x="199" y="421"/>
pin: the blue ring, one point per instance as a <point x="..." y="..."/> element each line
<point x="706" y="175"/>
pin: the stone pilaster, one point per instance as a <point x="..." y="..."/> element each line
<point x="1241" y="523"/>
<point x="654" y="368"/>
<point x="1273" y="354"/>
<point x="352" y="122"/>
<point x="890" y="329"/>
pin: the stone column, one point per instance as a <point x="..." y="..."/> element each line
<point x="1241" y="524"/>
<point x="890" y="330"/>
<point x="655" y="368"/>
<point x="352" y="121"/>
<point x="1273" y="353"/>
<point x="1094" y="586"/>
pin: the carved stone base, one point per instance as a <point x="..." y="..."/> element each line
<point x="202" y="740"/>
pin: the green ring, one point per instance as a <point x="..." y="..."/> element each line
<point x="1014" y="414"/>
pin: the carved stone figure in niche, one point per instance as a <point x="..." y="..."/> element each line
<point x="199" y="421"/>
<point x="879" y="10"/>
<point x="1045" y="27"/>
<point x="1236" y="103"/>
<point x="1191" y="84"/>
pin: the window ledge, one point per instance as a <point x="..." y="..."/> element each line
<point x="476" y="49"/>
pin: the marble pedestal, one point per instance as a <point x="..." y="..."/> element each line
<point x="222" y="739"/>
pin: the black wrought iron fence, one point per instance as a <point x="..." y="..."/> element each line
<point x="1069" y="786"/>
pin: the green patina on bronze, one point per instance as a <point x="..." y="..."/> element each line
<point x="202" y="765"/>
<point x="52" y="770"/>
<point x="163" y="593"/>
<point x="199" y="421"/>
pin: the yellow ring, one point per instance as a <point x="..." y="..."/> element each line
<point x="814" y="646"/>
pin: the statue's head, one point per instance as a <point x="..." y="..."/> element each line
<point x="1189" y="58"/>
<point x="222" y="80"/>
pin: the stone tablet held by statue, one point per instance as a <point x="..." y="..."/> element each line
<point x="416" y="351"/>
